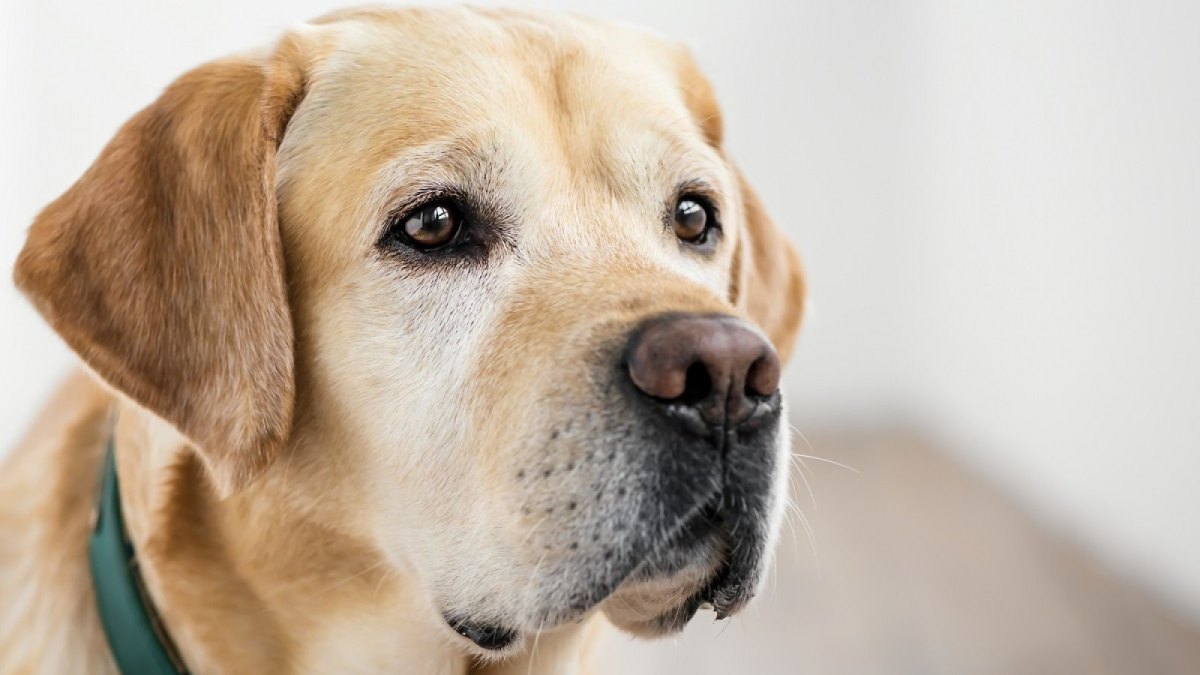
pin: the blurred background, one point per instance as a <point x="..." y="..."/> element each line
<point x="999" y="207"/>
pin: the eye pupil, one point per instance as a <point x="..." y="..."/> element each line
<point x="691" y="220"/>
<point x="432" y="226"/>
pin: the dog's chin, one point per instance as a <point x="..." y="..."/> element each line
<point x="659" y="607"/>
<point x="663" y="594"/>
<point x="657" y="598"/>
<point x="649" y="589"/>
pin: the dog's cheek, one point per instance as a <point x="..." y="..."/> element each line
<point x="777" y="500"/>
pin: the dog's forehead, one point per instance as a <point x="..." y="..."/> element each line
<point x="453" y="69"/>
<point x="563" y="114"/>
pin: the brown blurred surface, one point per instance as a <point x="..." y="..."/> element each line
<point x="924" y="569"/>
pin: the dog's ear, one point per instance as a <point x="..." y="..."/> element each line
<point x="768" y="278"/>
<point x="162" y="266"/>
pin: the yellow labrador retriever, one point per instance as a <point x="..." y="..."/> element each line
<point x="424" y="341"/>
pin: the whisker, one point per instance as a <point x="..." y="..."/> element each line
<point x="800" y="466"/>
<point x="808" y="530"/>
<point x="830" y="461"/>
<point x="533" y="652"/>
<point x="811" y="449"/>
<point x="348" y="579"/>
<point x="532" y="531"/>
<point x="379" y="585"/>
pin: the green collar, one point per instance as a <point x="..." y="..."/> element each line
<point x="138" y="640"/>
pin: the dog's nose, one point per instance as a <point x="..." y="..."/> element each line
<point x="712" y="363"/>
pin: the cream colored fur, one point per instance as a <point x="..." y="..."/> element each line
<point x="328" y="529"/>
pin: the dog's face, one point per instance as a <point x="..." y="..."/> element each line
<point x="531" y="303"/>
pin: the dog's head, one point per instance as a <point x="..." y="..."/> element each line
<point x="491" y="274"/>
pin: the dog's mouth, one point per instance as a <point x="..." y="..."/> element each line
<point x="490" y="637"/>
<point x="699" y="564"/>
<point x="665" y="524"/>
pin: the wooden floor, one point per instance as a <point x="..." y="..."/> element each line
<point x="923" y="569"/>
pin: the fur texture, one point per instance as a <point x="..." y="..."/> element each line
<point x="330" y="447"/>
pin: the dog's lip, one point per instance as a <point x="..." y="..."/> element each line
<point x="490" y="637"/>
<point x="690" y="558"/>
<point x="729" y="584"/>
<point x="725" y="590"/>
<point x="696" y="530"/>
<point x="494" y="637"/>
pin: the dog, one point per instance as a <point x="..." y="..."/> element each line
<point x="430" y="341"/>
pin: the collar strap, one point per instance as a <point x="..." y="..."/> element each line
<point x="136" y="636"/>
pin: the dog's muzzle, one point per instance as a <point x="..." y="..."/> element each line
<point x="664" y="499"/>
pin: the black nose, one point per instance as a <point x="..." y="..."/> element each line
<point x="714" y="364"/>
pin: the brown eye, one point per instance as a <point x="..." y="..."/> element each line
<point x="431" y="226"/>
<point x="692" y="220"/>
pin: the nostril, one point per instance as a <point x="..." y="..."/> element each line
<point x="763" y="377"/>
<point x="697" y="386"/>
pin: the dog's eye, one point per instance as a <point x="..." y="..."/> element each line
<point x="431" y="226"/>
<point x="693" y="220"/>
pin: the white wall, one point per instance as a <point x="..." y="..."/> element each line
<point x="997" y="203"/>
<point x="1055" y="215"/>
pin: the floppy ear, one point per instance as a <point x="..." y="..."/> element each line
<point x="162" y="266"/>
<point x="768" y="276"/>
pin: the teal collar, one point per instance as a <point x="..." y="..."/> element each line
<point x="138" y="640"/>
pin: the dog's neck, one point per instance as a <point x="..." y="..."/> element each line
<point x="264" y="582"/>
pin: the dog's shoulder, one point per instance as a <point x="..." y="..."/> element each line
<point x="48" y="621"/>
